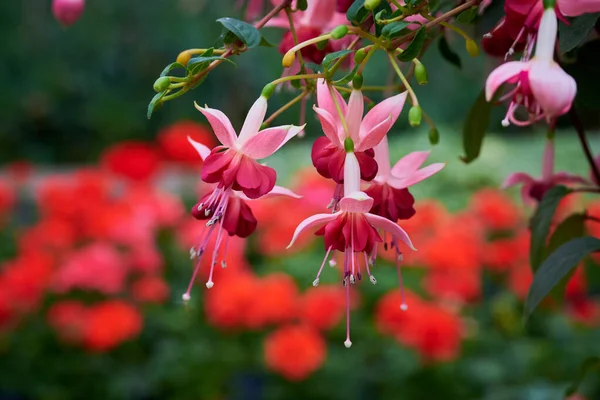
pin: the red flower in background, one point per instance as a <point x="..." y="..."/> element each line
<point x="68" y="318"/>
<point x="173" y="141"/>
<point x="7" y="199"/>
<point x="496" y="210"/>
<point x="150" y="289"/>
<point x="322" y="307"/>
<point x="134" y="160"/>
<point x="226" y="305"/>
<point x="276" y="302"/>
<point x="110" y="323"/>
<point x="295" y="352"/>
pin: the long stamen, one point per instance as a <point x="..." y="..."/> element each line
<point x="223" y="261"/>
<point x="371" y="277"/>
<point x="316" y="281"/>
<point x="347" y="343"/>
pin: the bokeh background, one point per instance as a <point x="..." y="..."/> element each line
<point x="95" y="235"/>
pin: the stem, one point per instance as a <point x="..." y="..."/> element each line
<point x="366" y="35"/>
<point x="341" y="59"/>
<point x="584" y="143"/>
<point x="285" y="107"/>
<point x="372" y="50"/>
<point x="272" y="13"/>
<point x="436" y="21"/>
<point x="410" y="90"/>
<point x="294" y="77"/>
<point x="451" y="27"/>
<point x="308" y="43"/>
<point x="295" y="38"/>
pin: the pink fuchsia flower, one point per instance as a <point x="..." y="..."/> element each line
<point x="228" y="215"/>
<point x="542" y="87"/>
<point x="573" y="8"/>
<point x="351" y="230"/>
<point x="67" y="11"/>
<point x="534" y="189"/>
<point x="233" y="164"/>
<point x="328" y="153"/>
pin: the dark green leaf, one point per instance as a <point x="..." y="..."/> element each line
<point x="467" y="16"/>
<point x="585" y="70"/>
<point x="383" y="9"/>
<point x="433" y="5"/>
<point x="170" y="67"/>
<point x="155" y="103"/>
<point x="475" y="127"/>
<point x="347" y="78"/>
<point x="244" y="31"/>
<point x="576" y="32"/>
<point x="394" y="29"/>
<point x="331" y="57"/>
<point x="541" y="221"/>
<point x="357" y="13"/>
<point x="448" y="54"/>
<point x="587" y="365"/>
<point x="265" y="43"/>
<point x="413" y="49"/>
<point x="556" y="267"/>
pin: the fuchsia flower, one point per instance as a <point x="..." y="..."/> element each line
<point x="328" y="153"/>
<point x="67" y="11"/>
<point x="233" y="165"/>
<point x="542" y="87"/>
<point x="534" y="189"/>
<point x="351" y="230"/>
<point x="226" y="210"/>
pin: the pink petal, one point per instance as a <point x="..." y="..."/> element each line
<point x="254" y="120"/>
<point x="325" y="100"/>
<point x="389" y="108"/>
<point x="220" y="125"/>
<point x="390" y="227"/>
<point x="319" y="14"/>
<point x="409" y="163"/>
<point x="416" y="177"/>
<point x="275" y="192"/>
<point x="356" y="105"/>
<point x="268" y="141"/>
<point x="516" y="179"/>
<point x="382" y="156"/>
<point x="565" y="177"/>
<point x="311" y="222"/>
<point x="573" y="8"/>
<point x="358" y="202"/>
<point x="329" y="125"/>
<point x="373" y="137"/>
<point x="202" y="150"/>
<point x="552" y="87"/>
<point x="500" y="75"/>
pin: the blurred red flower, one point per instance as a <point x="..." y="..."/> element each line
<point x="174" y="143"/>
<point x="150" y="289"/>
<point x="68" y="318"/>
<point x="110" y="323"/>
<point x="134" y="160"/>
<point x="496" y="210"/>
<point x="322" y="307"/>
<point x="226" y="304"/>
<point x="275" y="302"/>
<point x="503" y="254"/>
<point x="295" y="352"/>
<point x="462" y="285"/>
<point x="7" y="198"/>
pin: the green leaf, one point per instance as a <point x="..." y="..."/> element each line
<point x="171" y="67"/>
<point x="587" y="365"/>
<point x="265" y="43"/>
<point x="347" y="78"/>
<point x="244" y="31"/>
<point x="475" y="127"/>
<point x="199" y="63"/>
<point x="413" y="49"/>
<point x="447" y="53"/>
<point x="585" y="70"/>
<point x="576" y="32"/>
<point x="357" y="13"/>
<point x="331" y="57"/>
<point x="541" y="221"/>
<point x="155" y="103"/>
<point x="556" y="267"/>
<point x="467" y="16"/>
<point x="394" y="29"/>
<point x="433" y="6"/>
<point x="383" y="9"/>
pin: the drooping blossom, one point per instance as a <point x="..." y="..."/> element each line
<point x="542" y="88"/>
<point x="353" y="231"/>
<point x="233" y="165"/>
<point x="328" y="152"/>
<point x="574" y="8"/>
<point x="67" y="11"/>
<point x="227" y="214"/>
<point x="534" y="189"/>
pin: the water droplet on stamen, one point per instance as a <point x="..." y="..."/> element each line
<point x="316" y="282"/>
<point x="210" y="284"/>
<point x="372" y="279"/>
<point x="348" y="343"/>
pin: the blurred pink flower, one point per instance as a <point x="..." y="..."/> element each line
<point x="67" y="11"/>
<point x="574" y="8"/>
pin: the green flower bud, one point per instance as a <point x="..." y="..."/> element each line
<point x="322" y="44"/>
<point x="472" y="48"/>
<point x="357" y="82"/>
<point x="434" y="136"/>
<point x="372" y="4"/>
<point x="420" y="73"/>
<point x="339" y="32"/>
<point x="359" y="56"/>
<point x="302" y="5"/>
<point x="161" y="84"/>
<point x="348" y="145"/>
<point x="415" y="114"/>
<point x="268" y="90"/>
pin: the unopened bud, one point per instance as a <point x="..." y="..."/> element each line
<point x="434" y="136"/>
<point x="302" y="5"/>
<point x="339" y="32"/>
<point x="415" y="114"/>
<point x="348" y="145"/>
<point x="360" y="55"/>
<point x="161" y="84"/>
<point x="288" y="59"/>
<point x="67" y="11"/>
<point x="268" y="90"/>
<point x="420" y="73"/>
<point x="184" y="57"/>
<point x="357" y="82"/>
<point x="372" y="4"/>
<point x="472" y="48"/>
